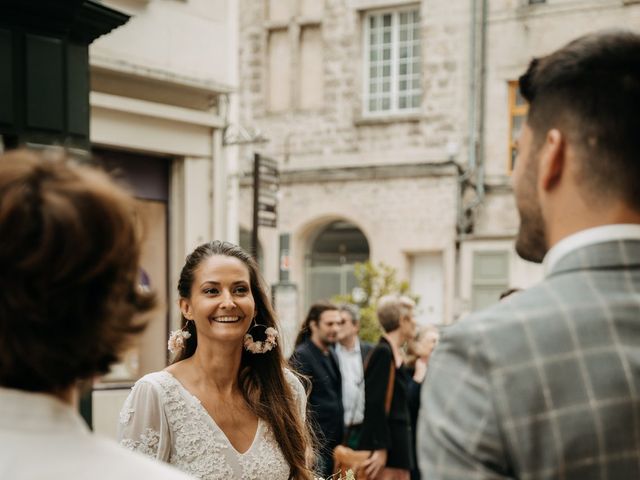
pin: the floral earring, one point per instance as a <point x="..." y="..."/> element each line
<point x="260" y="346"/>
<point x="177" y="338"/>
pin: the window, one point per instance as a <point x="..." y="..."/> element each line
<point x="518" y="108"/>
<point x="393" y="62"/>
<point x="490" y="277"/>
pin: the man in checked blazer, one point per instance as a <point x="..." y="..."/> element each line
<point x="546" y="384"/>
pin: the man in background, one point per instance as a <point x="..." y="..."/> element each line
<point x="352" y="353"/>
<point x="314" y="358"/>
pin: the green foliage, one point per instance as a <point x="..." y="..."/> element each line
<point x="374" y="282"/>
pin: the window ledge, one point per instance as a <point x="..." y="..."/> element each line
<point x="388" y="119"/>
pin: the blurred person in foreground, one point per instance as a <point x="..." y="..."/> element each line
<point x="352" y="354"/>
<point x="419" y="350"/>
<point x="69" y="253"/>
<point x="544" y="384"/>
<point x="315" y="358"/>
<point x="227" y="407"/>
<point x="386" y="428"/>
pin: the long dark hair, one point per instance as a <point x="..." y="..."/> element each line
<point x="315" y="311"/>
<point x="261" y="376"/>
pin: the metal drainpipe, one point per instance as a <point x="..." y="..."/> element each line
<point x="476" y="115"/>
<point x="481" y="104"/>
<point x="471" y="119"/>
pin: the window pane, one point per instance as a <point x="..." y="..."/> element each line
<point x="519" y="98"/>
<point x="518" y="121"/>
<point x="394" y="56"/>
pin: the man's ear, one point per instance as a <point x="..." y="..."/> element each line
<point x="552" y="160"/>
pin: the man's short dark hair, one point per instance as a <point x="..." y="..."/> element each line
<point x="69" y="270"/>
<point x="590" y="91"/>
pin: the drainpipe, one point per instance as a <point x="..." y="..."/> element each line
<point x="477" y="72"/>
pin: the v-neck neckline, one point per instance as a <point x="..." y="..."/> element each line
<point x="206" y="413"/>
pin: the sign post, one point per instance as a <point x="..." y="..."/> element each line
<point x="265" y="196"/>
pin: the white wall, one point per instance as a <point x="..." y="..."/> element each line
<point x="187" y="38"/>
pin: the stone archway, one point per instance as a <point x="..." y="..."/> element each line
<point x="330" y="258"/>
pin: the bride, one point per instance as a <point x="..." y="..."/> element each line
<point x="227" y="407"/>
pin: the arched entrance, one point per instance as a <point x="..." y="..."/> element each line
<point x="330" y="260"/>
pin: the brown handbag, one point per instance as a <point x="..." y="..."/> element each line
<point x="345" y="458"/>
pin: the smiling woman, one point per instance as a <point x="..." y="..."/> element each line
<point x="226" y="407"/>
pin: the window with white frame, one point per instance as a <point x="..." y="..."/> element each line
<point x="392" y="62"/>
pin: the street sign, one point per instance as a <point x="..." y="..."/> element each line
<point x="266" y="182"/>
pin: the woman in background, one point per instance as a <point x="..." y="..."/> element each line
<point x="419" y="350"/>
<point x="386" y="428"/>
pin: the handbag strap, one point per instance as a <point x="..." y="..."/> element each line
<point x="389" y="394"/>
<point x="392" y="377"/>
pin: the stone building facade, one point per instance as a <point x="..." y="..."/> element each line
<point x="405" y="174"/>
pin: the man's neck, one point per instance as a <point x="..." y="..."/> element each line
<point x="69" y="395"/>
<point x="350" y="342"/>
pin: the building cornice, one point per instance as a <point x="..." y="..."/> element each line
<point x="365" y="173"/>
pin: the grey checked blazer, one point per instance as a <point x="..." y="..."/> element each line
<point x="544" y="385"/>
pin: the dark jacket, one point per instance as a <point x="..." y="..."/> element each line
<point x="379" y="430"/>
<point x="324" y="406"/>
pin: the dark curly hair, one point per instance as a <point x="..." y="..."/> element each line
<point x="69" y="253"/>
<point x="261" y="377"/>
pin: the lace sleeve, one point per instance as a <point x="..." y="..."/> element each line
<point x="298" y="392"/>
<point x="143" y="425"/>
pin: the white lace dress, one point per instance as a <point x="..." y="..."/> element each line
<point x="161" y="419"/>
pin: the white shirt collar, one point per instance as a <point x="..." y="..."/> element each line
<point x="586" y="237"/>
<point x="356" y="348"/>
